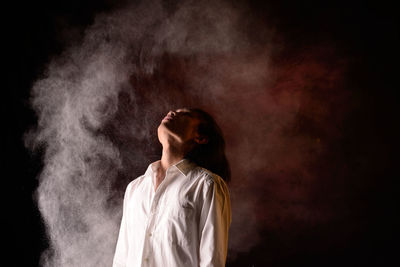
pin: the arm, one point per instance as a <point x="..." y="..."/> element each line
<point x="121" y="251"/>
<point x="214" y="225"/>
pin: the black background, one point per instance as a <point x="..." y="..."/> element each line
<point x="366" y="32"/>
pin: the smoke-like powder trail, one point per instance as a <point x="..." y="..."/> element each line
<point x="99" y="103"/>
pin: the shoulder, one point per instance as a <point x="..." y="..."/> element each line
<point x="208" y="177"/>
<point x="134" y="184"/>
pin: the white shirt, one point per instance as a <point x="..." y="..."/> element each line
<point x="185" y="222"/>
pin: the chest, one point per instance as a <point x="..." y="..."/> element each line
<point x="174" y="202"/>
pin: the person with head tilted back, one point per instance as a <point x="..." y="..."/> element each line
<point x="178" y="212"/>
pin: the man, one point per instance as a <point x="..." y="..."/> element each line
<point x="178" y="213"/>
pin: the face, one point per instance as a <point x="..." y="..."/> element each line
<point x="180" y="125"/>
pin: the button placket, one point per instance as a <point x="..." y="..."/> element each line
<point x="149" y="229"/>
<point x="151" y="222"/>
<point x="152" y="218"/>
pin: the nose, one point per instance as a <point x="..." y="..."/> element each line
<point x="172" y="113"/>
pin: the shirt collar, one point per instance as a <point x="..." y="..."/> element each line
<point x="184" y="166"/>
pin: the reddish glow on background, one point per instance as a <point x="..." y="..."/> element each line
<point x="280" y="118"/>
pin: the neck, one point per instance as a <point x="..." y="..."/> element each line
<point x="170" y="156"/>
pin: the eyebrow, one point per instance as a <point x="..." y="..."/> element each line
<point x="186" y="112"/>
<point x="182" y="110"/>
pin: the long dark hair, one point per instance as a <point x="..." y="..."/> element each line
<point x="211" y="155"/>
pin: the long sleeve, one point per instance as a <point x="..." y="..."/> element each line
<point x="214" y="224"/>
<point x="121" y="251"/>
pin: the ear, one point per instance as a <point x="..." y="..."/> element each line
<point x="201" y="140"/>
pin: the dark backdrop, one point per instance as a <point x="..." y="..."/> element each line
<point x="365" y="31"/>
